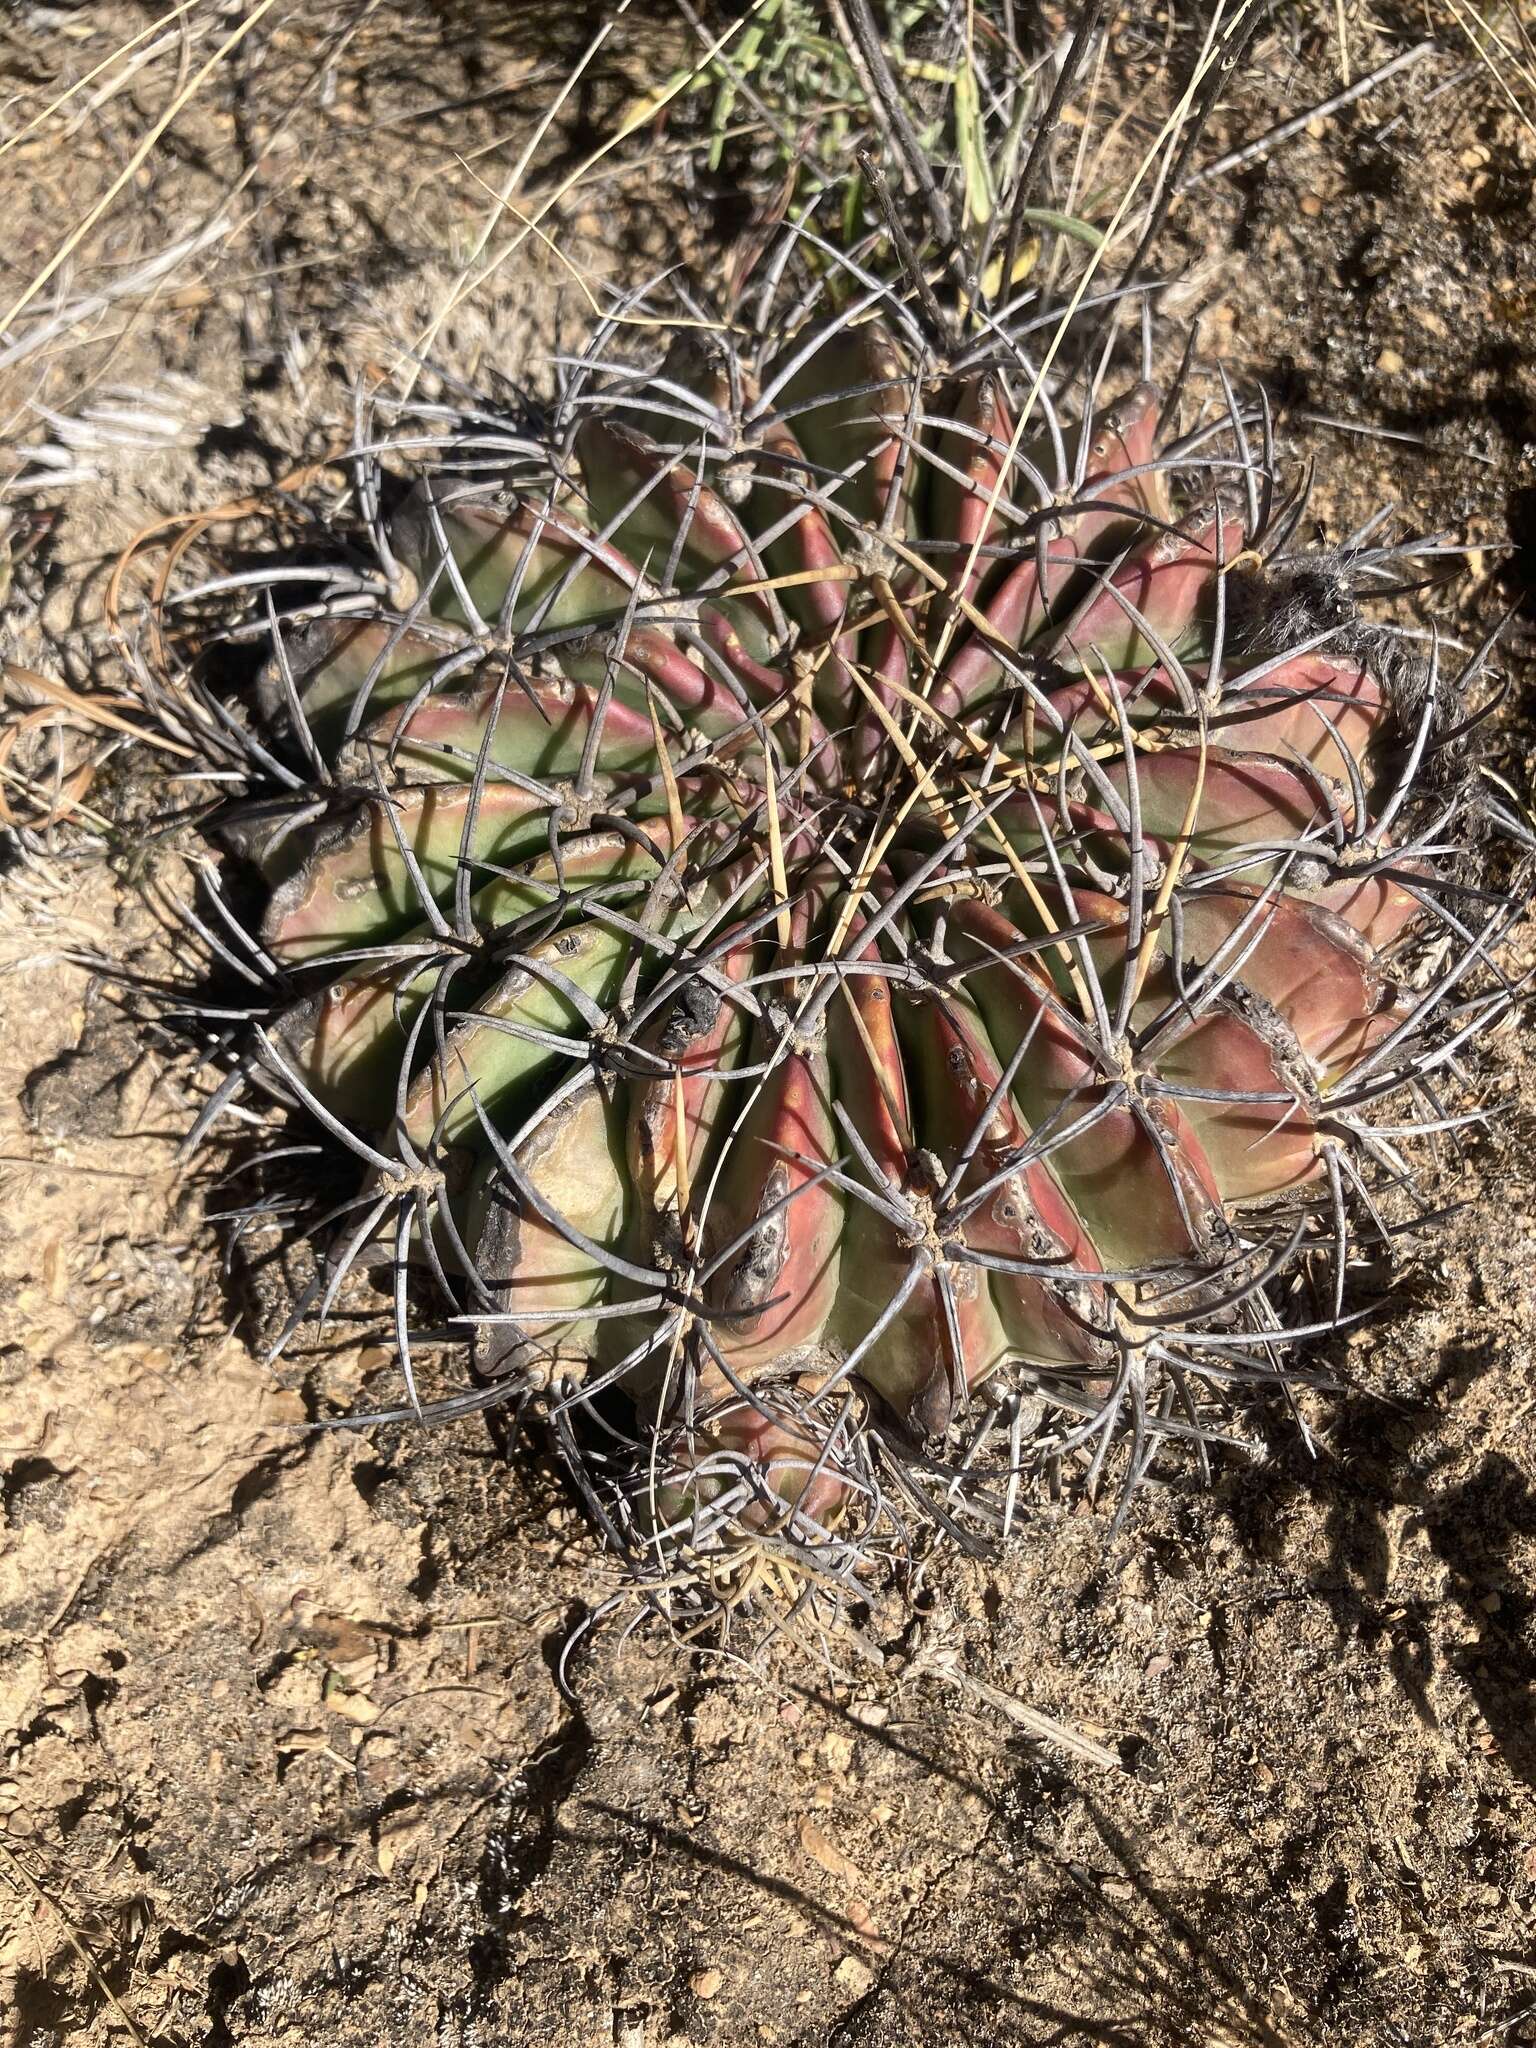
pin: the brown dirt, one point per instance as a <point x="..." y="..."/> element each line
<point x="281" y="1753"/>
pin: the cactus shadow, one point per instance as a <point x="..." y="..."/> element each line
<point x="1472" y="1525"/>
<point x="1156" y="1968"/>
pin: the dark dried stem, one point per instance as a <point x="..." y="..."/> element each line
<point x="909" y="258"/>
<point x="1045" y="135"/>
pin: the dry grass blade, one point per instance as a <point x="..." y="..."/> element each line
<point x="123" y="49"/>
<point x="1498" y="59"/>
<point x="19" y="1875"/>
<point x="470" y="280"/>
<point x="1043" y="1727"/>
<point x="135" y="163"/>
<point x="90" y="711"/>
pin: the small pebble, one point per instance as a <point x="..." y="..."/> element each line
<point x="836" y="1750"/>
<point x="705" y="1983"/>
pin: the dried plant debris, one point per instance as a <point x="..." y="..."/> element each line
<point x="881" y="930"/>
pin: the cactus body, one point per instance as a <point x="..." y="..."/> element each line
<point x="858" y="917"/>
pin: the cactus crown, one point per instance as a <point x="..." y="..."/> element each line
<point x="857" y="899"/>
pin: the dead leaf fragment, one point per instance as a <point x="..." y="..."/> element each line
<point x="846" y="1871"/>
<point x="829" y="1856"/>
<point x="353" y="1706"/>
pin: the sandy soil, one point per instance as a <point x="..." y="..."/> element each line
<point x="282" y="1757"/>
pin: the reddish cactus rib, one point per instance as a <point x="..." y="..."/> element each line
<point x="1023" y="1215"/>
<point x="1305" y="963"/>
<point x="676" y="1113"/>
<point x="1378" y="907"/>
<point x="1321" y="710"/>
<point x="1306" y="708"/>
<point x="847" y="409"/>
<point x="968" y="492"/>
<point x="807" y="550"/>
<point x="1167" y="585"/>
<point x="540" y="731"/>
<point x="682" y="527"/>
<point x="1217" y="805"/>
<point x="667" y="510"/>
<point x="1238" y="1082"/>
<point x="1135" y="1172"/>
<point x="345" y="671"/>
<point x="923" y="1356"/>
<point x="782" y="1471"/>
<point x="1234" y="1065"/>
<point x="1054" y="550"/>
<point x="772" y="1294"/>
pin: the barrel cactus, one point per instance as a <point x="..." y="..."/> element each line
<point x="857" y="897"/>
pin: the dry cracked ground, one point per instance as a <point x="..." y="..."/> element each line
<point x="282" y="1755"/>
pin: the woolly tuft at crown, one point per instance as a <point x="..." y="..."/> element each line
<point x="876" y="927"/>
